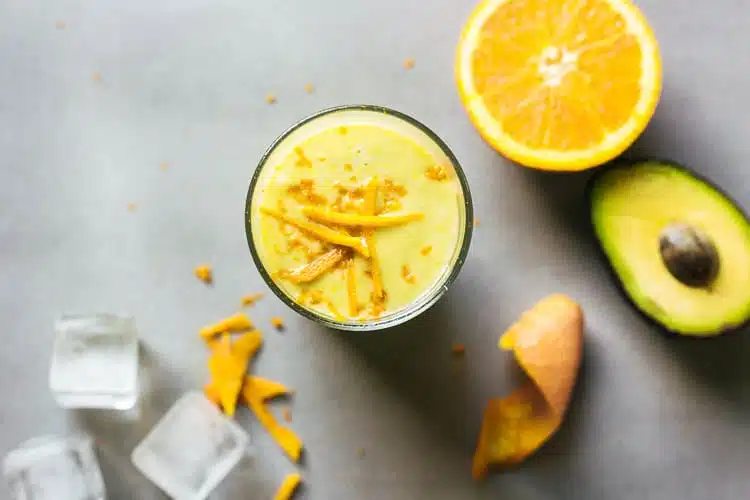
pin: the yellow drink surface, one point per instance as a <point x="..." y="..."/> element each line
<point x="330" y="170"/>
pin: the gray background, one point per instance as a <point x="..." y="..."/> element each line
<point x="184" y="82"/>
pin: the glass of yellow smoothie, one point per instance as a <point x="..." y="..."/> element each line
<point x="359" y="217"/>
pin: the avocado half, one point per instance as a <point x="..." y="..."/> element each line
<point x="679" y="246"/>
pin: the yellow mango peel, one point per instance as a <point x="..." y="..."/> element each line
<point x="547" y="342"/>
<point x="227" y="366"/>
<point x="256" y="392"/>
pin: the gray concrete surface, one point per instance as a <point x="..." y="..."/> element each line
<point x="184" y="82"/>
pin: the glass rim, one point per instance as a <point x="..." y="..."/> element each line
<point x="422" y="303"/>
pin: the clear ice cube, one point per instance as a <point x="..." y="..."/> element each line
<point x="54" y="468"/>
<point x="191" y="449"/>
<point x="95" y="362"/>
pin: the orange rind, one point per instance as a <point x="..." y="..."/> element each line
<point x="547" y="342"/>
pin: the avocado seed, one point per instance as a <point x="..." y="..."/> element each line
<point x="689" y="254"/>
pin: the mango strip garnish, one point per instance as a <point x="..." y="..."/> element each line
<point x="287" y="488"/>
<point x="236" y="323"/>
<point x="347" y="219"/>
<point x="317" y="268"/>
<point x="256" y="392"/>
<point x="547" y="342"/>
<point x="322" y="232"/>
<point x="351" y="287"/>
<point x="370" y="208"/>
<point x="228" y="366"/>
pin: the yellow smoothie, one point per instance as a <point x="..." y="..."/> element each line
<point x="356" y="220"/>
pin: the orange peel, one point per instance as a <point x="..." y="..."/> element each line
<point x="374" y="221"/>
<point x="228" y="366"/>
<point x="288" y="487"/>
<point x="256" y="392"/>
<point x="235" y="323"/>
<point x="547" y="342"/>
<point x="324" y="233"/>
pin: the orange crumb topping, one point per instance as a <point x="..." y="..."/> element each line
<point x="409" y="63"/>
<point x="348" y="167"/>
<point x="407" y="275"/>
<point x="204" y="273"/>
<point x="271" y="99"/>
<point x="302" y="160"/>
<point x="308" y="88"/>
<point x="343" y="130"/>
<point x="277" y="323"/>
<point x="436" y="173"/>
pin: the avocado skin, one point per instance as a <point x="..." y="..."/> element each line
<point x="622" y="163"/>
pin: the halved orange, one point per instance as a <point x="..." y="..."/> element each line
<point x="560" y="85"/>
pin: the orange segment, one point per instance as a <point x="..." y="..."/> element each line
<point x="559" y="84"/>
<point x="547" y="342"/>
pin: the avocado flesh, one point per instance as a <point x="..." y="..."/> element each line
<point x="631" y="205"/>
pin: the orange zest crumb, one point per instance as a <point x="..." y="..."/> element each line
<point x="407" y="275"/>
<point x="476" y="222"/>
<point x="132" y="207"/>
<point x="250" y="300"/>
<point x="204" y="273"/>
<point x="271" y="99"/>
<point x="288" y="487"/>
<point x="286" y="414"/>
<point x="343" y="130"/>
<point x="426" y="250"/>
<point x="235" y="323"/>
<point x="458" y="349"/>
<point x="308" y="88"/>
<point x="436" y="173"/>
<point x="277" y="323"/>
<point x="409" y="63"/>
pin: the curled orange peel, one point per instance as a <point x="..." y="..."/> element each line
<point x="287" y="488"/>
<point x="547" y="342"/>
<point x="256" y="392"/>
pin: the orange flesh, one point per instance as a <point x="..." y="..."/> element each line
<point x="542" y="98"/>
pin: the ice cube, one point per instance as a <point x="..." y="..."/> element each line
<point x="54" y="468"/>
<point x="191" y="449"/>
<point x="95" y="362"/>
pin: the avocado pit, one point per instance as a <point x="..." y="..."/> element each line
<point x="689" y="254"/>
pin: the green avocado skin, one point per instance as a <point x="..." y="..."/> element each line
<point x="643" y="305"/>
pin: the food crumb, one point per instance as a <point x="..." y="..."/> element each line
<point x="409" y="63"/>
<point x="97" y="76"/>
<point x="250" y="300"/>
<point x="60" y="25"/>
<point x="132" y="207"/>
<point x="458" y="349"/>
<point x="308" y="88"/>
<point x="164" y="166"/>
<point x="476" y="222"/>
<point x="271" y="99"/>
<point x="204" y="273"/>
<point x="406" y="274"/>
<point x="361" y="452"/>
<point x="426" y="250"/>
<point x="277" y="323"/>
<point x="348" y="167"/>
<point x="436" y="173"/>
<point x="286" y="414"/>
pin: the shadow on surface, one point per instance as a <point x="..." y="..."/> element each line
<point x="117" y="433"/>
